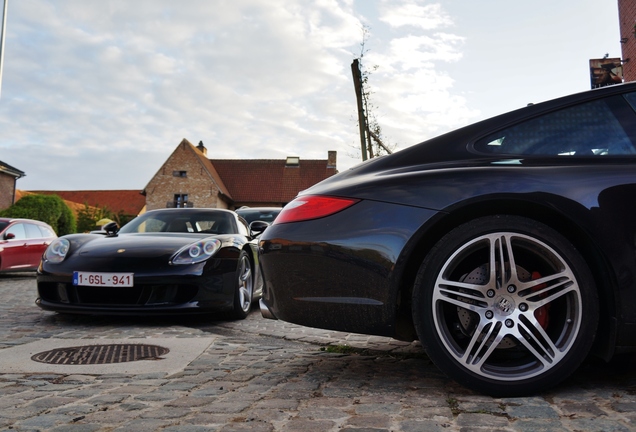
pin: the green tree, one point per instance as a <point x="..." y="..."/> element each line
<point x="46" y="208"/>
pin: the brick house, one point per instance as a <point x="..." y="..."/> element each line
<point x="627" y="23"/>
<point x="8" y="179"/>
<point x="189" y="179"/>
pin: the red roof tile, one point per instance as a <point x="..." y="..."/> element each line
<point x="269" y="180"/>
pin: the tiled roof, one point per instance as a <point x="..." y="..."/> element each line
<point x="207" y="163"/>
<point x="130" y="202"/>
<point x="269" y="180"/>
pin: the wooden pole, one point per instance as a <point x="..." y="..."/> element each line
<point x="362" y="122"/>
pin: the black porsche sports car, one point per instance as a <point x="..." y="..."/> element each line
<point x="168" y="261"/>
<point x="506" y="247"/>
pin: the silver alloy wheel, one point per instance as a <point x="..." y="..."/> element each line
<point x="245" y="283"/>
<point x="506" y="306"/>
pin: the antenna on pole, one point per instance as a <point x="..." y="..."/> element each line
<point x="2" y="37"/>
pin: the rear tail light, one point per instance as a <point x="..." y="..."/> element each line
<point x="312" y="207"/>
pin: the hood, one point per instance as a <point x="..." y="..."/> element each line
<point x="135" y="245"/>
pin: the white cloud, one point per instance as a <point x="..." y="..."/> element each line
<point x="411" y="13"/>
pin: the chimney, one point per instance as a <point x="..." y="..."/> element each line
<point x="331" y="159"/>
<point x="202" y="148"/>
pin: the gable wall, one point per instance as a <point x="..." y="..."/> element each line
<point x="198" y="185"/>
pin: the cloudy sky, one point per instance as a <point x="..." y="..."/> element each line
<point x="96" y="94"/>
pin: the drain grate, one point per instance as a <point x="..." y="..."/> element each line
<point x="101" y="354"/>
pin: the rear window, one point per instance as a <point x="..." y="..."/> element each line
<point x="260" y="215"/>
<point x="589" y="129"/>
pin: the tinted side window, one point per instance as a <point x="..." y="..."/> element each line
<point x="589" y="129"/>
<point x="32" y="231"/>
<point x="631" y="98"/>
<point x="17" y="230"/>
<point x="46" y="232"/>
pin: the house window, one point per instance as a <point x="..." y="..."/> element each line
<point x="180" y="200"/>
<point x="179" y="173"/>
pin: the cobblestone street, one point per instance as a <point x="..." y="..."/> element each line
<point x="263" y="375"/>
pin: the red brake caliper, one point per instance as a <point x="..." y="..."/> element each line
<point x="541" y="314"/>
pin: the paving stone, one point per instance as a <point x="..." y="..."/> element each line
<point x="263" y="375"/>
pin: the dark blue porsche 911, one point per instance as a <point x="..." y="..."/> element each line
<point x="168" y="261"/>
<point x="508" y="247"/>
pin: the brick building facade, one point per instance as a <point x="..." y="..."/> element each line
<point x="627" y="23"/>
<point x="8" y="178"/>
<point x="186" y="179"/>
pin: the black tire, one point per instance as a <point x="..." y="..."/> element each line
<point x="244" y="291"/>
<point x="507" y="333"/>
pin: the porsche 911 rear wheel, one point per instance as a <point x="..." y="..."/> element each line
<point x="505" y="305"/>
<point x="244" y="287"/>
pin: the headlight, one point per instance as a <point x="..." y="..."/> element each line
<point x="196" y="252"/>
<point x="56" y="252"/>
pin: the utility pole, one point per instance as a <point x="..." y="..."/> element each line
<point x="362" y="119"/>
<point x="2" y="36"/>
<point x="366" y="134"/>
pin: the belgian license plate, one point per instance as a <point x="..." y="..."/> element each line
<point x="103" y="279"/>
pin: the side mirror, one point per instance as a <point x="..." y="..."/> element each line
<point x="257" y="227"/>
<point x="111" y="228"/>
<point x="9" y="236"/>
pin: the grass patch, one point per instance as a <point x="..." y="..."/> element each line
<point x="342" y="349"/>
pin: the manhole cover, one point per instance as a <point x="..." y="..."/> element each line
<point x="101" y="354"/>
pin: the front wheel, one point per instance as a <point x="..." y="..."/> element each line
<point x="505" y="305"/>
<point x="244" y="287"/>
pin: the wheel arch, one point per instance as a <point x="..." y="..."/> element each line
<point x="432" y="232"/>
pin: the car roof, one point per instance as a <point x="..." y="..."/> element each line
<point x="10" y="220"/>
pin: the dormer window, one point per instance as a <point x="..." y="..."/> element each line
<point x="179" y="173"/>
<point x="292" y="161"/>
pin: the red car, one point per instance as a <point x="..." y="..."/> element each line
<point x="22" y="243"/>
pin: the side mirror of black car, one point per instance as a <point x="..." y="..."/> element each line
<point x="257" y="227"/>
<point x="111" y="228"/>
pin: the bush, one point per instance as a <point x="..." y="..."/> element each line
<point x="46" y="208"/>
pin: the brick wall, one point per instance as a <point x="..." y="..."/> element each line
<point x="627" y="20"/>
<point x="196" y="182"/>
<point x="7" y="190"/>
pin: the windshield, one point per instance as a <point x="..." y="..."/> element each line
<point x="266" y="215"/>
<point x="209" y="222"/>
